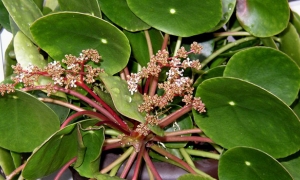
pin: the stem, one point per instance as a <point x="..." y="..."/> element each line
<point x="231" y="33"/>
<point x="151" y="166"/>
<point x="149" y="44"/>
<point x="225" y="48"/>
<point x="182" y="132"/>
<point x="107" y="107"/>
<point x="165" y="42"/>
<point x="186" y="157"/>
<point x="138" y="162"/>
<point x="15" y="172"/>
<point x="114" y="170"/>
<point x="115" y="145"/>
<point x="269" y="42"/>
<point x="64" y="168"/>
<point x="171" y="156"/>
<point x="128" y="165"/>
<point x="150" y="174"/>
<point x="202" y="154"/>
<point x="111" y="141"/>
<point x="178" y="44"/>
<point x="62" y="103"/>
<point x="112" y="132"/>
<point x="182" y="139"/>
<point x="118" y="161"/>
<point x="174" y="116"/>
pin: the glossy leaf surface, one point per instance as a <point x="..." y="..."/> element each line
<point x="75" y="32"/>
<point x="290" y="43"/>
<point x="4" y="17"/>
<point x="263" y="18"/>
<point x="184" y="18"/>
<point x="228" y="7"/>
<point x="249" y="163"/>
<point x="242" y="114"/>
<point x="26" y="120"/>
<point x="121" y="15"/>
<point x="30" y="12"/>
<point x="267" y="68"/>
<point x="84" y="6"/>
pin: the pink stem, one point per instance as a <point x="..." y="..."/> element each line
<point x="182" y="132"/>
<point x="138" y="162"/>
<point x="128" y="165"/>
<point x="64" y="168"/>
<point x="151" y="166"/>
<point x="175" y="115"/>
<point x="182" y="139"/>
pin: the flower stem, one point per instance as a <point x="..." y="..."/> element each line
<point x="203" y="154"/>
<point x="171" y="156"/>
<point x="174" y="116"/>
<point x="16" y="171"/>
<point x="118" y="161"/>
<point x="64" y="168"/>
<point x="62" y="103"/>
<point x="138" y="162"/>
<point x="128" y="165"/>
<point x="151" y="166"/>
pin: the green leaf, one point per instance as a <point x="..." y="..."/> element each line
<point x="121" y="15"/>
<point x="267" y="68"/>
<point x="292" y="164"/>
<point x="263" y="18"/>
<point x="295" y="20"/>
<point x="290" y="43"/>
<point x="10" y="59"/>
<point x="193" y="177"/>
<point x="242" y="114"/>
<point x="6" y="161"/>
<point x="125" y="103"/>
<point x="4" y="17"/>
<point x="214" y="72"/>
<point x="99" y="176"/>
<point x="176" y="17"/>
<point x="25" y="122"/>
<point x="139" y="44"/>
<point x="55" y="152"/>
<point x="93" y="139"/>
<point x="84" y="6"/>
<point x="248" y="164"/>
<point x="75" y="32"/>
<point x="228" y="7"/>
<point x="24" y="13"/>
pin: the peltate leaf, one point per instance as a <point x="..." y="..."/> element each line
<point x="26" y="122"/>
<point x="249" y="163"/>
<point x="228" y="7"/>
<point x="85" y="6"/>
<point x="176" y="17"/>
<point x="75" y="32"/>
<point x="240" y="113"/>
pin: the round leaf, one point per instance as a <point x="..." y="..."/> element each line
<point x="75" y="32"/>
<point x="90" y="6"/>
<point x="228" y="7"/>
<point x="267" y="68"/>
<point x="121" y="15"/>
<point x="248" y="163"/>
<point x="176" y="17"/>
<point x="25" y="122"/>
<point x="242" y="114"/>
<point x="263" y="18"/>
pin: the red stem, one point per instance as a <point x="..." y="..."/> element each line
<point x="111" y="146"/>
<point x="151" y="166"/>
<point x="138" y="162"/>
<point x="174" y="116"/>
<point x="171" y="156"/>
<point x="182" y="139"/>
<point x="128" y="165"/>
<point x="181" y="132"/>
<point x="64" y="168"/>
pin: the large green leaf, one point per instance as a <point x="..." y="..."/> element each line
<point x="263" y="18"/>
<point x="4" y="17"/>
<point x="93" y="139"/>
<point x="85" y="6"/>
<point x="248" y="164"/>
<point x="267" y="68"/>
<point x="290" y="43"/>
<point x="177" y="17"/>
<point x="240" y="113"/>
<point x="125" y="103"/>
<point x="193" y="177"/>
<point x="55" y="152"/>
<point x="25" y="122"/>
<point x="75" y="32"/>
<point x="228" y="7"/>
<point x="121" y="15"/>
<point x="6" y="161"/>
<point x="139" y="44"/>
<point x="24" y="13"/>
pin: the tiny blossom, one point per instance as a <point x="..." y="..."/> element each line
<point x="153" y="69"/>
<point x="182" y="53"/>
<point x="187" y="99"/>
<point x="50" y="89"/>
<point x="151" y="119"/>
<point x="132" y="82"/>
<point x="175" y="62"/>
<point x="91" y="54"/>
<point x="6" y="88"/>
<point x="161" y="57"/>
<point x="198" y="105"/>
<point x="149" y="103"/>
<point x="142" y="129"/>
<point x="196" y="48"/>
<point x="174" y="73"/>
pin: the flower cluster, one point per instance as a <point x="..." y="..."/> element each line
<point x="175" y="85"/>
<point x="76" y="71"/>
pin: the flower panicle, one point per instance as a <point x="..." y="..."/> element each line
<point x="77" y="70"/>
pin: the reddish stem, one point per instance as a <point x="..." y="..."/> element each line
<point x="16" y="171"/>
<point x="128" y="165"/>
<point x="138" y="162"/>
<point x="151" y="166"/>
<point x="174" y="116"/>
<point x="182" y="138"/>
<point x="111" y="146"/>
<point x="64" y="168"/>
<point x="171" y="156"/>
<point x="182" y="132"/>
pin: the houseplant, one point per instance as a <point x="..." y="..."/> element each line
<point x="126" y="80"/>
